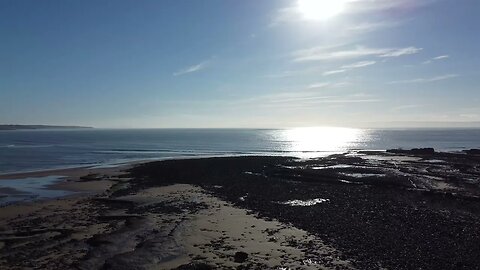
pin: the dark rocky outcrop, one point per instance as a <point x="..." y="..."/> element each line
<point x="473" y="152"/>
<point x="414" y="151"/>
<point x="240" y="257"/>
<point x="376" y="215"/>
<point x="195" y="266"/>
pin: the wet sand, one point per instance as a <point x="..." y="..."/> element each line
<point x="359" y="210"/>
<point x="154" y="228"/>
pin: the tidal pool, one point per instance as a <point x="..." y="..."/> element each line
<point x="305" y="203"/>
<point x="29" y="189"/>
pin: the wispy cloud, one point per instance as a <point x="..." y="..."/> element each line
<point x="371" y="26"/>
<point x="301" y="99"/>
<point x="324" y="54"/>
<point x="470" y="115"/>
<point x="441" y="57"/>
<point x="359" y="64"/>
<point x="285" y="74"/>
<point x="401" y="52"/>
<point x="332" y="72"/>
<point x="305" y="100"/>
<point x="406" y="107"/>
<point x="327" y="85"/>
<point x="284" y="15"/>
<point x="319" y="69"/>
<point x="348" y="67"/>
<point x="318" y="85"/>
<point x="359" y="6"/>
<point x="315" y="101"/>
<point x="191" y="69"/>
<point x="427" y="80"/>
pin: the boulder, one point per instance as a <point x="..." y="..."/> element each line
<point x="240" y="257"/>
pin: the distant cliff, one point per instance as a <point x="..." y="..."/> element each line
<point x="17" y="127"/>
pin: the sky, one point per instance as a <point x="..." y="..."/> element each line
<point x="240" y="64"/>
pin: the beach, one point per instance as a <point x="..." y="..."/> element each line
<point x="357" y="210"/>
<point x="199" y="135"/>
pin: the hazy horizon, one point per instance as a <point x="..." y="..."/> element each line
<point x="380" y="125"/>
<point x="240" y="64"/>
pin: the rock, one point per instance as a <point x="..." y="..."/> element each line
<point x="91" y="177"/>
<point x="240" y="257"/>
<point x="195" y="266"/>
<point x="246" y="267"/>
<point x="423" y="151"/>
<point x="472" y="152"/>
<point x="415" y="151"/>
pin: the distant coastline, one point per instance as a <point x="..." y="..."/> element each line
<point x="22" y="127"/>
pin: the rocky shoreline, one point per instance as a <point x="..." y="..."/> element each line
<point x="409" y="210"/>
<point x="415" y="209"/>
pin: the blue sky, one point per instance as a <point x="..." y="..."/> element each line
<point x="249" y="63"/>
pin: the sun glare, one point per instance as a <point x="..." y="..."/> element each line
<point x="310" y="140"/>
<point x="320" y="9"/>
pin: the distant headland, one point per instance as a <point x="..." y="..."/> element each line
<point x="21" y="127"/>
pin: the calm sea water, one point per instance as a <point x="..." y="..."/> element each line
<point x="49" y="149"/>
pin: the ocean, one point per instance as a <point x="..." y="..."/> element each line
<point x="33" y="150"/>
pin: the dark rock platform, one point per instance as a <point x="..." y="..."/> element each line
<point x="416" y="209"/>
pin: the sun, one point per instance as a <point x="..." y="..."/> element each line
<point x="320" y="9"/>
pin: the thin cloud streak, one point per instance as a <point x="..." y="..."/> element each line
<point x="322" y="54"/>
<point x="192" y="69"/>
<point x="358" y="6"/>
<point x="401" y="52"/>
<point x="318" y="85"/>
<point x="349" y="67"/>
<point x="438" y="58"/>
<point x="427" y="80"/>
<point x="406" y="107"/>
<point x="315" y="101"/>
<point x="371" y="26"/>
<point x="332" y="72"/>
<point x="327" y="85"/>
<point x="441" y="57"/>
<point x="304" y="99"/>
<point x="359" y="64"/>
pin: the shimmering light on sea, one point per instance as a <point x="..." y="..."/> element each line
<point x="310" y="141"/>
<point x="27" y="150"/>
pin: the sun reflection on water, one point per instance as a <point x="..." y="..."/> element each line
<point x="309" y="141"/>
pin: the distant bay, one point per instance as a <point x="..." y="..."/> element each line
<point x="27" y="127"/>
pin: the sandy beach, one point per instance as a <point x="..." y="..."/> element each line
<point x="338" y="212"/>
